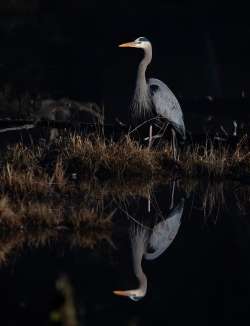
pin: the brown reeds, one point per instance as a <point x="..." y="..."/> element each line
<point x="51" y="213"/>
<point x="67" y="182"/>
<point x="93" y="156"/>
<point x="13" y="242"/>
<point x="44" y="170"/>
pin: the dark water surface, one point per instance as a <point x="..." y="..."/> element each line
<point x="190" y="262"/>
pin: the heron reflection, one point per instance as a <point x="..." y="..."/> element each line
<point x="150" y="244"/>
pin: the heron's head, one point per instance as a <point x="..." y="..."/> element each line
<point x="134" y="295"/>
<point x="140" y="42"/>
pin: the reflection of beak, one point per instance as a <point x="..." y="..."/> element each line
<point x="128" y="45"/>
<point x="122" y="293"/>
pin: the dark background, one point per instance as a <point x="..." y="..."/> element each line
<point x="69" y="48"/>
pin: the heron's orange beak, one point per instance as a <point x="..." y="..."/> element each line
<point x="122" y="293"/>
<point x="128" y="45"/>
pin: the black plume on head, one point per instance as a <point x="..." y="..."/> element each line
<point x="143" y="39"/>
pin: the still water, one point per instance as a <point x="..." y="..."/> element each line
<point x="176" y="254"/>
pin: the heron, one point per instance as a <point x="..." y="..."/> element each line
<point x="154" y="95"/>
<point x="150" y="244"/>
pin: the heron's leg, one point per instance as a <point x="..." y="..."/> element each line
<point x="172" y="196"/>
<point x="161" y="126"/>
<point x="54" y="133"/>
<point x="174" y="144"/>
<point x="149" y="203"/>
<point x="162" y="130"/>
<point x="150" y="136"/>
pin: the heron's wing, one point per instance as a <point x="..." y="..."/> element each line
<point x="164" y="232"/>
<point x="166" y="104"/>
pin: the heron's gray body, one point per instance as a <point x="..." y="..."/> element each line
<point x="165" y="231"/>
<point x="166" y="105"/>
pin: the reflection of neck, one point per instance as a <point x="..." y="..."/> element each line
<point x="138" y="250"/>
<point x="139" y="241"/>
<point x="142" y="288"/>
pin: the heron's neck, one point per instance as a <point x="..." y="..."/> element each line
<point x="141" y="75"/>
<point x="142" y="102"/>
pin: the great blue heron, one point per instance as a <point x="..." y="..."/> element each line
<point x="153" y="94"/>
<point x="157" y="241"/>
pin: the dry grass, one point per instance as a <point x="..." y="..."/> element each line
<point x="214" y="199"/>
<point x="219" y="162"/>
<point x="206" y="161"/>
<point x="46" y="170"/>
<point x="19" y="181"/>
<point x="68" y="183"/>
<point x="93" y="156"/>
<point x="50" y="214"/>
<point x="93" y="164"/>
<point x="13" y="243"/>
